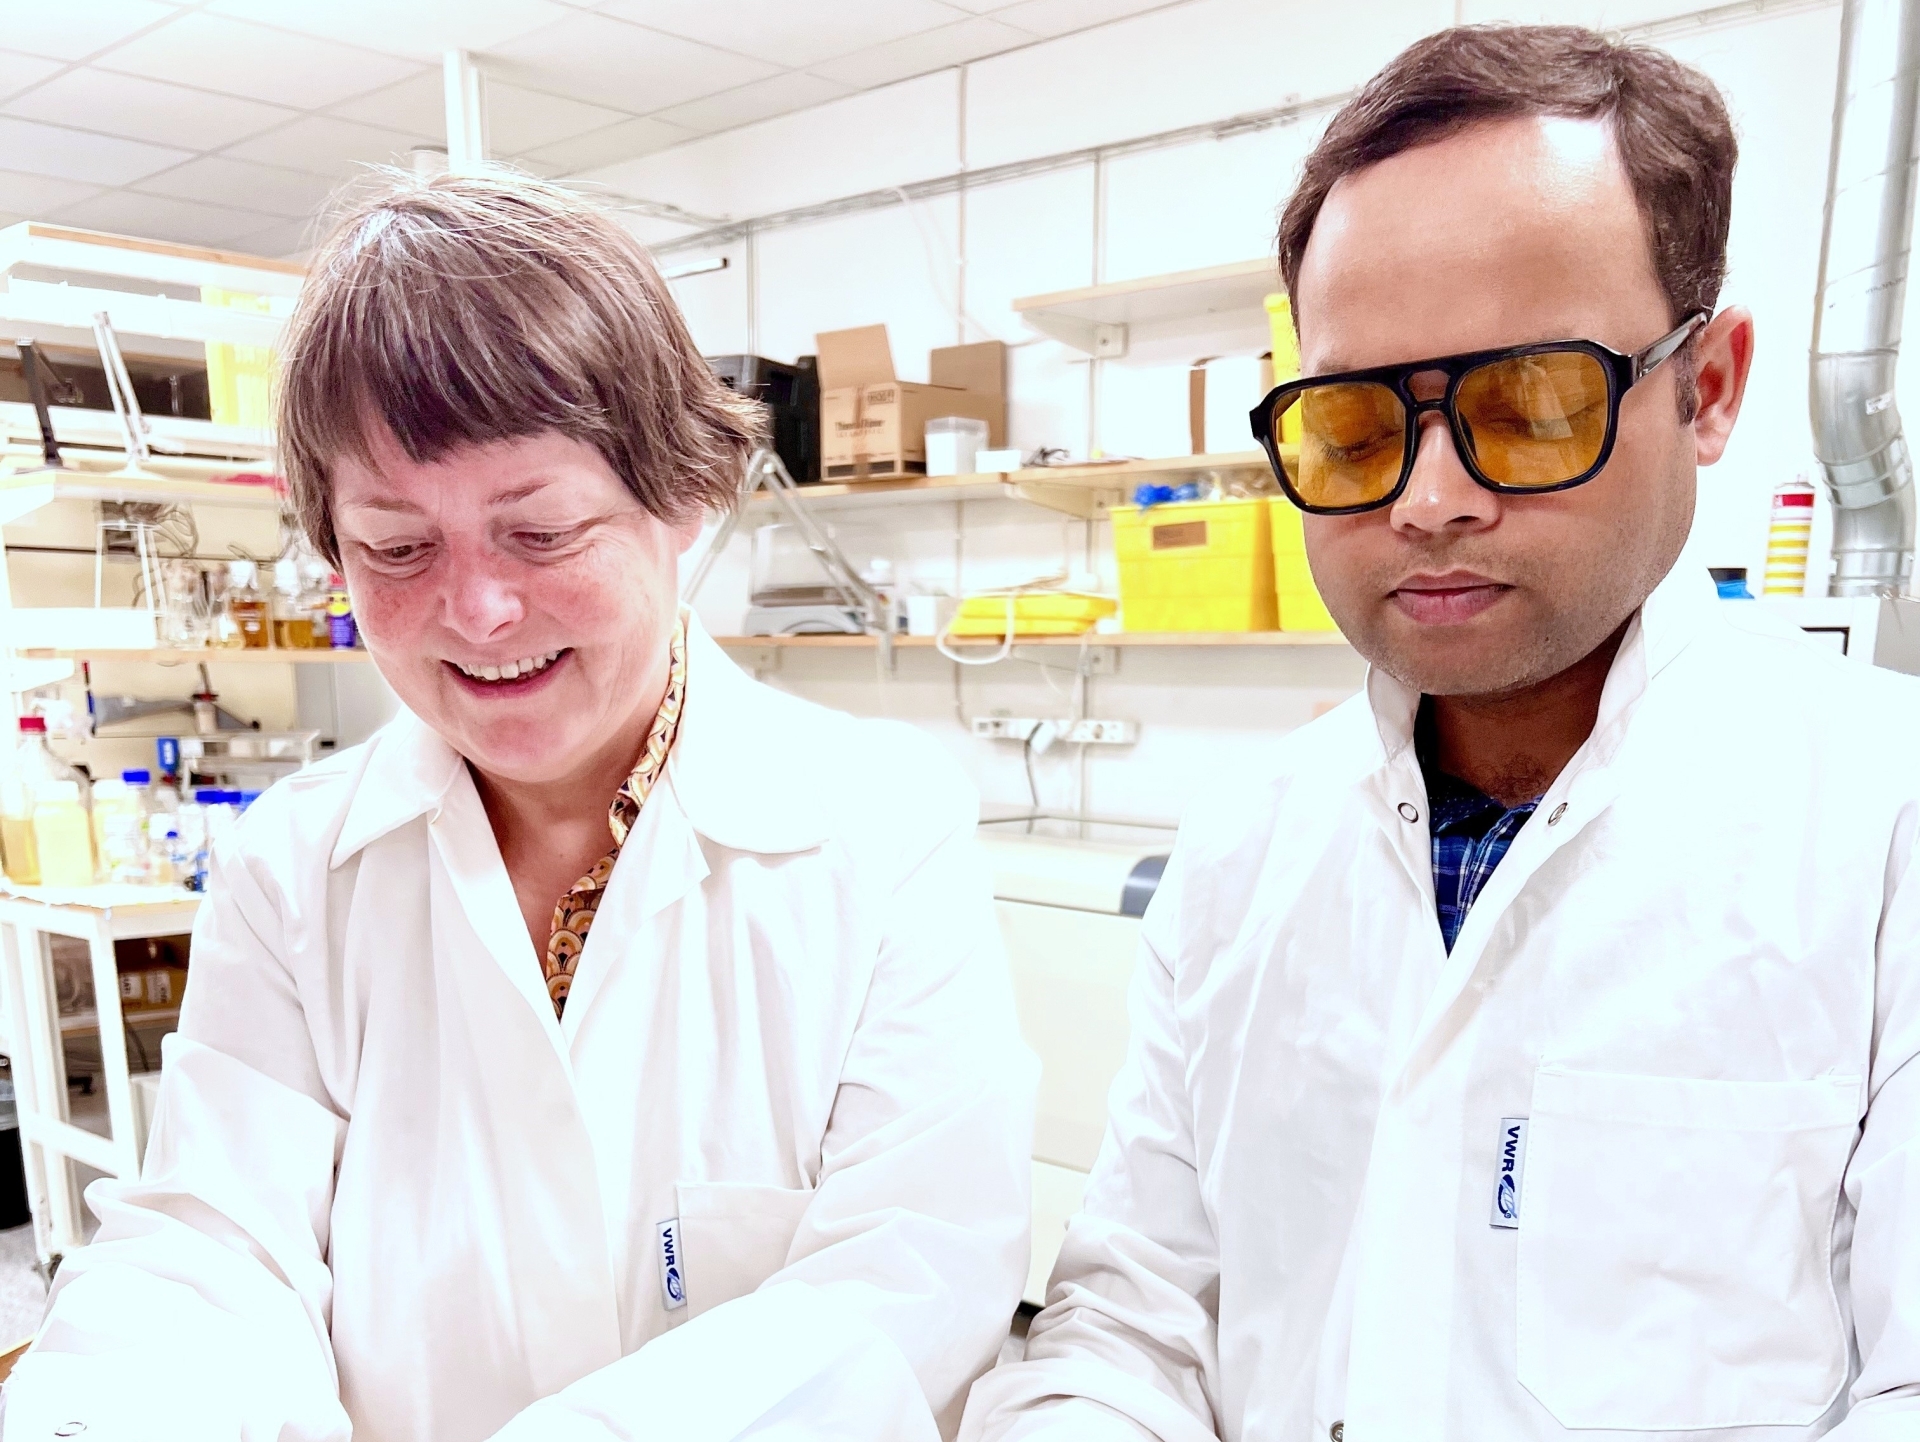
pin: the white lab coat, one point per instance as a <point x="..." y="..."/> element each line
<point x="389" y="1191"/>
<point x="1696" y="974"/>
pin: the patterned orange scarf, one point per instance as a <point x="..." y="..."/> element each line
<point x="573" y="916"/>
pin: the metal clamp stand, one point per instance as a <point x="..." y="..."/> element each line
<point x="30" y="364"/>
<point x="138" y="519"/>
<point x="765" y="469"/>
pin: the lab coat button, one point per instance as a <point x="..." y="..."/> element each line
<point x="1558" y="812"/>
<point x="1337" y="1432"/>
<point x="1409" y="813"/>
<point x="69" y="1429"/>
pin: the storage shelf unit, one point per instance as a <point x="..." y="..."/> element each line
<point x="1081" y="318"/>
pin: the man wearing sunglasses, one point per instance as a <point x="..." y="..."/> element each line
<point x="1528" y="1056"/>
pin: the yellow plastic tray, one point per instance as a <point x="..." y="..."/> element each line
<point x="1038" y="613"/>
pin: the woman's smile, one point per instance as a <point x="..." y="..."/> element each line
<point x="513" y="678"/>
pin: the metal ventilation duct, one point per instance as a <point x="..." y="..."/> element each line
<point x="1862" y="293"/>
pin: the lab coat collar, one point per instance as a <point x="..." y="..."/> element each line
<point x="409" y="770"/>
<point x="1667" y="622"/>
<point x="737" y="768"/>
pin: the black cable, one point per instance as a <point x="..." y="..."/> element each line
<point x="133" y="1036"/>
<point x="1033" y="789"/>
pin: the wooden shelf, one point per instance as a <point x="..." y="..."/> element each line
<point x="24" y="492"/>
<point x="1094" y="488"/>
<point x="1235" y="292"/>
<point x="1086" y="490"/>
<point x="50" y="310"/>
<point x="211" y="655"/>
<point x="94" y="436"/>
<point x="1095" y="638"/>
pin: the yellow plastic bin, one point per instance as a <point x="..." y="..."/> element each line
<point x="1300" y="606"/>
<point x="1286" y="359"/>
<point x="1195" y="566"/>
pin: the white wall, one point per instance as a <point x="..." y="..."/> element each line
<point x="1204" y="202"/>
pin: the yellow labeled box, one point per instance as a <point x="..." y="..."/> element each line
<point x="1195" y="566"/>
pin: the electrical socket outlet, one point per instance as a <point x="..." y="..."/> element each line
<point x="1080" y="733"/>
<point x="1004" y="728"/>
<point x="1103" y="733"/>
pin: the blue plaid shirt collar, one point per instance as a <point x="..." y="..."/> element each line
<point x="1470" y="832"/>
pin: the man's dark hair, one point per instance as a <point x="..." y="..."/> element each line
<point x="1669" y="123"/>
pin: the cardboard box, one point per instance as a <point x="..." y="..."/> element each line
<point x="873" y="426"/>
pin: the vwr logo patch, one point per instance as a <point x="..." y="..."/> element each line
<point x="1513" y="1170"/>
<point x="673" y="1283"/>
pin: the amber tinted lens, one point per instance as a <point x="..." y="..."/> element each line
<point x="1535" y="420"/>
<point x="1353" y="440"/>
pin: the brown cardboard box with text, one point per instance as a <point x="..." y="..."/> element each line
<point x="873" y="426"/>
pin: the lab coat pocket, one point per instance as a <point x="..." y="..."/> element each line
<point x="735" y="1235"/>
<point x="1675" y="1250"/>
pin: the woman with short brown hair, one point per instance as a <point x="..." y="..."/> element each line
<point x="612" y="1047"/>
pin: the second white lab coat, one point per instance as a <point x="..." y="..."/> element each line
<point x="1695" y="977"/>
<point x="389" y="1191"/>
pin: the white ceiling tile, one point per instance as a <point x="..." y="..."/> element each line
<point x="37" y="194"/>
<point x="1062" y="17"/>
<point x="18" y="71"/>
<point x="522" y="120"/>
<point x="518" y="120"/>
<point x="282" y="240"/>
<point x="417" y="105"/>
<point x="421" y="29"/>
<point x="917" y="54"/>
<point x="257" y="62"/>
<point x="779" y="95"/>
<point x="607" y="61"/>
<point x="78" y="155"/>
<point x="326" y="145"/>
<point x="783" y="32"/>
<point x="160" y="217"/>
<point x="74" y="31"/>
<point x="222" y="180"/>
<point x="127" y="105"/>
<point x="624" y="141"/>
<point x="540" y="169"/>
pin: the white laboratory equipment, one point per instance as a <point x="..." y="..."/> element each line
<point x="1878" y="630"/>
<point x="1070" y="895"/>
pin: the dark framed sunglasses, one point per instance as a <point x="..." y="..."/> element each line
<point x="1525" y="419"/>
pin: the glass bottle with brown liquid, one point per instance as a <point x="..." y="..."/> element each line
<point x="293" y="612"/>
<point x="246" y="607"/>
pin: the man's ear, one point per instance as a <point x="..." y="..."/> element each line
<point x="1723" y="356"/>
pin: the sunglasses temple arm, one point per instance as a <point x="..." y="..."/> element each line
<point x="1661" y="349"/>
